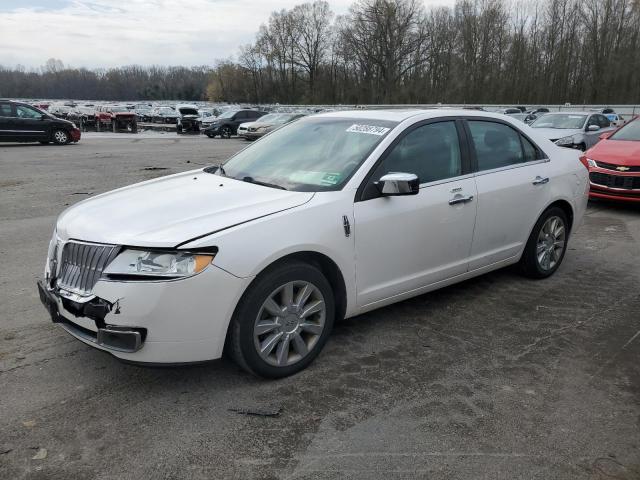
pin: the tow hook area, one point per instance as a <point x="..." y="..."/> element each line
<point x="110" y="337"/>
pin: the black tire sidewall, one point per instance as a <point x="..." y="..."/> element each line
<point x="248" y="308"/>
<point x="529" y="261"/>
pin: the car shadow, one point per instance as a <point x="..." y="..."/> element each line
<point x="602" y="204"/>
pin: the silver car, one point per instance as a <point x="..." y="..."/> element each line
<point x="580" y="130"/>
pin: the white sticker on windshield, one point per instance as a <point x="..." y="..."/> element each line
<point x="370" y="129"/>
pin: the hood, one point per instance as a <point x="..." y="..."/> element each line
<point x="618" y="152"/>
<point x="556" y="133"/>
<point x="171" y="210"/>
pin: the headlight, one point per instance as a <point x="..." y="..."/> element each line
<point x="261" y="129"/>
<point x="565" y="140"/>
<point x="158" y="263"/>
<point x="591" y="163"/>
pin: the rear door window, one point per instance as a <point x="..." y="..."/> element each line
<point x="498" y="145"/>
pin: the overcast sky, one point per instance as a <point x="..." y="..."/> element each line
<point x="106" y="33"/>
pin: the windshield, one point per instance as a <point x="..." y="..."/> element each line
<point x="311" y="155"/>
<point x="631" y="131"/>
<point x="272" y="118"/>
<point x="188" y="111"/>
<point x="564" y="121"/>
<point x="228" y="114"/>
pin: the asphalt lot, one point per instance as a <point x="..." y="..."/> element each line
<point x="496" y="378"/>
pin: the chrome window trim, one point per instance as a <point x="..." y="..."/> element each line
<point x="511" y="167"/>
<point x="446" y="180"/>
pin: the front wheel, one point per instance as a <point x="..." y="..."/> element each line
<point x="283" y="321"/>
<point x="225" y="132"/>
<point x="60" y="137"/>
<point x="547" y="244"/>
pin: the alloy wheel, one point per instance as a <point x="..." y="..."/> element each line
<point x="551" y="243"/>
<point x="60" y="137"/>
<point x="289" y="323"/>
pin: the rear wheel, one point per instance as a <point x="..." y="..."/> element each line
<point x="283" y="321"/>
<point x="60" y="137"/>
<point x="225" y="132"/>
<point x="547" y="244"/>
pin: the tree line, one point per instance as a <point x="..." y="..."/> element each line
<point x="394" y="51"/>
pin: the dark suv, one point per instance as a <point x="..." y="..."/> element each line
<point x="20" y="122"/>
<point x="227" y="123"/>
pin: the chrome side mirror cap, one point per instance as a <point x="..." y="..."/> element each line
<point x="398" y="183"/>
<point x="593" y="128"/>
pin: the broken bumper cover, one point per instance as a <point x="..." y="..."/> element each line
<point x="179" y="321"/>
<point x="108" y="337"/>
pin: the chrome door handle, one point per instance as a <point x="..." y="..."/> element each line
<point x="460" y="199"/>
<point x="540" y="181"/>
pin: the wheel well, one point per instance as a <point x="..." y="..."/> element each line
<point x="329" y="269"/>
<point x="566" y="208"/>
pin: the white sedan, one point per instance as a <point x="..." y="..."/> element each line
<point x="329" y="217"/>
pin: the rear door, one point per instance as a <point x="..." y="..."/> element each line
<point x="512" y="180"/>
<point x="30" y="123"/>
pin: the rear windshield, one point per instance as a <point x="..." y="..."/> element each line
<point x="631" y="131"/>
<point x="188" y="111"/>
<point x="562" y="121"/>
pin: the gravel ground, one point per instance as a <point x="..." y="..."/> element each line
<point x="495" y="378"/>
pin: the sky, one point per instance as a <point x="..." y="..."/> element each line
<point x="109" y="33"/>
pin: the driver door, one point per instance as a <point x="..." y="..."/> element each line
<point x="405" y="243"/>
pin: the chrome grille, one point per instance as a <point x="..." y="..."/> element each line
<point x="82" y="265"/>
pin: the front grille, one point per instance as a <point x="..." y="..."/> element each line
<point x="615" y="181"/>
<point x="610" y="166"/>
<point x="82" y="264"/>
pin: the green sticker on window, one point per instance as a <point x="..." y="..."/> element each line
<point x="331" y="178"/>
<point x="315" y="178"/>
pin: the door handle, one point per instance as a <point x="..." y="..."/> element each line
<point x="460" y="199"/>
<point x="540" y="181"/>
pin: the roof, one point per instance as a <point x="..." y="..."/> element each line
<point x="400" y="115"/>
<point x="571" y="113"/>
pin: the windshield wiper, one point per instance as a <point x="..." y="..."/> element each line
<point x="264" y="184"/>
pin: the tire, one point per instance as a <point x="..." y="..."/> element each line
<point x="582" y="147"/>
<point x="547" y="245"/>
<point x="226" y="132"/>
<point x="295" y="340"/>
<point x="61" y="137"/>
<point x="210" y="135"/>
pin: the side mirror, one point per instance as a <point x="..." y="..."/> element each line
<point x="606" y="135"/>
<point x="593" y="128"/>
<point x="398" y="183"/>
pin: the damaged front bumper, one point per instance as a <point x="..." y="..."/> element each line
<point x="151" y="322"/>
<point x="108" y="337"/>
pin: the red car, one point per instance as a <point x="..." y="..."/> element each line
<point x="614" y="164"/>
